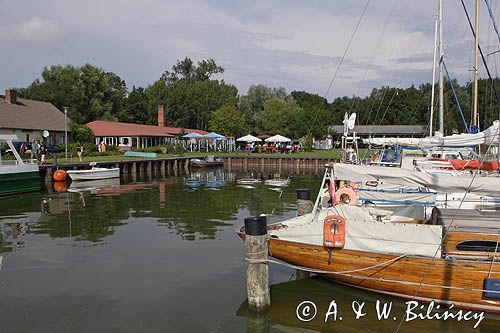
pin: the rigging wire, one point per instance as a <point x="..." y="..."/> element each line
<point x="368" y="114"/>
<point x="374" y="52"/>
<point x="340" y="64"/>
<point x="445" y="232"/>
<point x="402" y="76"/>
<point x="481" y="52"/>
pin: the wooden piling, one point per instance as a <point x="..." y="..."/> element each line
<point x="256" y="247"/>
<point x="304" y="203"/>
<point x="163" y="168"/>
<point x="48" y="175"/>
<point x="304" y="206"/>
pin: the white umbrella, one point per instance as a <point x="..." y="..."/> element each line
<point x="278" y="138"/>
<point x="249" y="138"/>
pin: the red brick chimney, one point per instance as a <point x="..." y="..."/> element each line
<point x="161" y="117"/>
<point x="11" y="96"/>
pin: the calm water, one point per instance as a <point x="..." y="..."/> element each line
<point x="161" y="255"/>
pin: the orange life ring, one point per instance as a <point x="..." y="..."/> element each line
<point x="334" y="232"/>
<point x="346" y="196"/>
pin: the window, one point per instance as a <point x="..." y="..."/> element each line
<point x="479" y="246"/>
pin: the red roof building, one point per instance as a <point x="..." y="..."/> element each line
<point x="137" y="135"/>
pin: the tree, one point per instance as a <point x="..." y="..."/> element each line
<point x="315" y="117"/>
<point x="252" y="104"/>
<point x="279" y="116"/>
<point x="190" y="95"/>
<point x="186" y="70"/>
<point x="81" y="133"/>
<point x="136" y="108"/>
<point x="89" y="92"/>
<point x="228" y="121"/>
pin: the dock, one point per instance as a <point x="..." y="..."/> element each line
<point x="159" y="166"/>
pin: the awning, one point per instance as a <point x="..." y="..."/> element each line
<point x="278" y="138"/>
<point x="249" y="138"/>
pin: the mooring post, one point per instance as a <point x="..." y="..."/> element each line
<point x="256" y="248"/>
<point x="304" y="206"/>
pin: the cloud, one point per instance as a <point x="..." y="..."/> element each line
<point x="296" y="44"/>
<point x="34" y="29"/>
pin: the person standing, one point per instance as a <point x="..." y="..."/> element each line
<point x="103" y="147"/>
<point x="34" y="150"/>
<point x="79" y="151"/>
<point x="43" y="152"/>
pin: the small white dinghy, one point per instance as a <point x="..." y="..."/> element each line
<point x="94" y="173"/>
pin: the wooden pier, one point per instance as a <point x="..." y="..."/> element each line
<point x="176" y="165"/>
<point x="287" y="164"/>
<point x="162" y="166"/>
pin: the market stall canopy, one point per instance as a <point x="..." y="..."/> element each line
<point x="192" y="135"/>
<point x="278" y="138"/>
<point x="213" y="135"/>
<point x="249" y="138"/>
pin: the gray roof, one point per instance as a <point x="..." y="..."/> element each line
<point x="30" y="114"/>
<point x="383" y="129"/>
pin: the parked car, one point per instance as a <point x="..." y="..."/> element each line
<point x="55" y="149"/>
<point x="16" y="144"/>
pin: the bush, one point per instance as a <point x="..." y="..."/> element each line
<point x="89" y="149"/>
<point x="165" y="149"/>
<point x="81" y="133"/>
<point x="307" y="143"/>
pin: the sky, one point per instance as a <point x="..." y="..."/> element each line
<point x="292" y="44"/>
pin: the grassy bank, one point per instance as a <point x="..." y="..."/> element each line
<point x="332" y="154"/>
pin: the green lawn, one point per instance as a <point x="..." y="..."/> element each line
<point x="333" y="154"/>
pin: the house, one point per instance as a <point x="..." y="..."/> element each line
<point x="136" y="136"/>
<point x="27" y="119"/>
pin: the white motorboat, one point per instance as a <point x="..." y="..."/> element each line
<point x="94" y="174"/>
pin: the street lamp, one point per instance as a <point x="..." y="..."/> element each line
<point x="66" y="130"/>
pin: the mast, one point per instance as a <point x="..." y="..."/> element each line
<point x="431" y="131"/>
<point x="476" y="72"/>
<point x="441" y="80"/>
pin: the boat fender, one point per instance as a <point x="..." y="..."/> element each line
<point x="334" y="232"/>
<point x="491" y="288"/>
<point x="59" y="175"/>
<point x="345" y="196"/>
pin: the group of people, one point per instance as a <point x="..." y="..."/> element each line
<point x="37" y="150"/>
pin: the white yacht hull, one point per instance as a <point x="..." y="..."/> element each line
<point x="94" y="174"/>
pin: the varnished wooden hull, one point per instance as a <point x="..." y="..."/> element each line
<point x="433" y="274"/>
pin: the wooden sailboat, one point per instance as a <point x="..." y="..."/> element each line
<point x="399" y="252"/>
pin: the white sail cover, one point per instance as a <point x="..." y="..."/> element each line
<point x="485" y="185"/>
<point x="488" y="137"/>
<point x="390" y="235"/>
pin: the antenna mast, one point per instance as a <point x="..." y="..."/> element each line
<point x="476" y="73"/>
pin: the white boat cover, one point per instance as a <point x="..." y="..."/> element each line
<point x="365" y="233"/>
<point x="488" y="137"/>
<point x="485" y="185"/>
<point x="396" y="197"/>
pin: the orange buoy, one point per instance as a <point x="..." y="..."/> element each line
<point x="60" y="175"/>
<point x="60" y="186"/>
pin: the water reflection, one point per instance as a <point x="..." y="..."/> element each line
<point x="91" y="211"/>
<point x="285" y="298"/>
